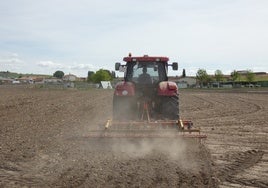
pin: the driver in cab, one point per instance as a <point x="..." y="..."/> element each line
<point x="144" y="78"/>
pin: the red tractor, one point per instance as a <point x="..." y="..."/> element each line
<point x="146" y="93"/>
<point x="145" y="103"/>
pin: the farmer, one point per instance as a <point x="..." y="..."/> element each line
<point x="144" y="78"/>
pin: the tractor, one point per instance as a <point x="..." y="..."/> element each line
<point x="145" y="103"/>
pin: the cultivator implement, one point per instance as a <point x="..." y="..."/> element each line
<point x="148" y="129"/>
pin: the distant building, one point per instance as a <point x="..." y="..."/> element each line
<point x="244" y="72"/>
<point x="15" y="82"/>
<point x="184" y="82"/>
<point x="32" y="79"/>
<point x="52" y="80"/>
<point x="260" y="73"/>
<point x="182" y="85"/>
<point x="26" y="79"/>
<point x="69" y="77"/>
<point x="6" y="80"/>
<point x="82" y="79"/>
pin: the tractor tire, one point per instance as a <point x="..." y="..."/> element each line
<point x="124" y="108"/>
<point x="170" y="107"/>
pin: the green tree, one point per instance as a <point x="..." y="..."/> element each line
<point x="202" y="77"/>
<point x="101" y="75"/>
<point x="58" y="74"/>
<point x="250" y="76"/>
<point x="218" y="75"/>
<point x="235" y="75"/>
<point x="111" y="73"/>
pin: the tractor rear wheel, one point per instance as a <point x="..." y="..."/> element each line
<point x="170" y="107"/>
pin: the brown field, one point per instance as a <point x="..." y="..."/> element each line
<point x="44" y="143"/>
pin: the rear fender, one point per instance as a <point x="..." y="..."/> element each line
<point x="167" y="88"/>
<point x="124" y="89"/>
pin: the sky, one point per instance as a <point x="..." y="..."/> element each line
<point x="77" y="36"/>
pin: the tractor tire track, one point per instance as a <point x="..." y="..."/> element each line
<point x="219" y="105"/>
<point x="236" y="128"/>
<point x="15" y="176"/>
<point x="239" y="162"/>
<point x="249" y="182"/>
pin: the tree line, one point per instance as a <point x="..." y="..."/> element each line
<point x="95" y="77"/>
<point x="204" y="78"/>
<point x="201" y="75"/>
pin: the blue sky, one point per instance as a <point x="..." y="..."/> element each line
<point x="81" y="35"/>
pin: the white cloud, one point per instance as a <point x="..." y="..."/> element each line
<point x="74" y="68"/>
<point x="50" y="64"/>
<point x="9" y="58"/>
<point x="83" y="67"/>
<point x="10" y="61"/>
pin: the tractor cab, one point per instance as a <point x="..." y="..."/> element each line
<point x="145" y="72"/>
<point x="145" y="69"/>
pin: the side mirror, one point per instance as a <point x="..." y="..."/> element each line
<point x="117" y="66"/>
<point x="175" y="66"/>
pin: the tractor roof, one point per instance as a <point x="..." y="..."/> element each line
<point x="145" y="58"/>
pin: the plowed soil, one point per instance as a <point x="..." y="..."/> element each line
<point x="44" y="142"/>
